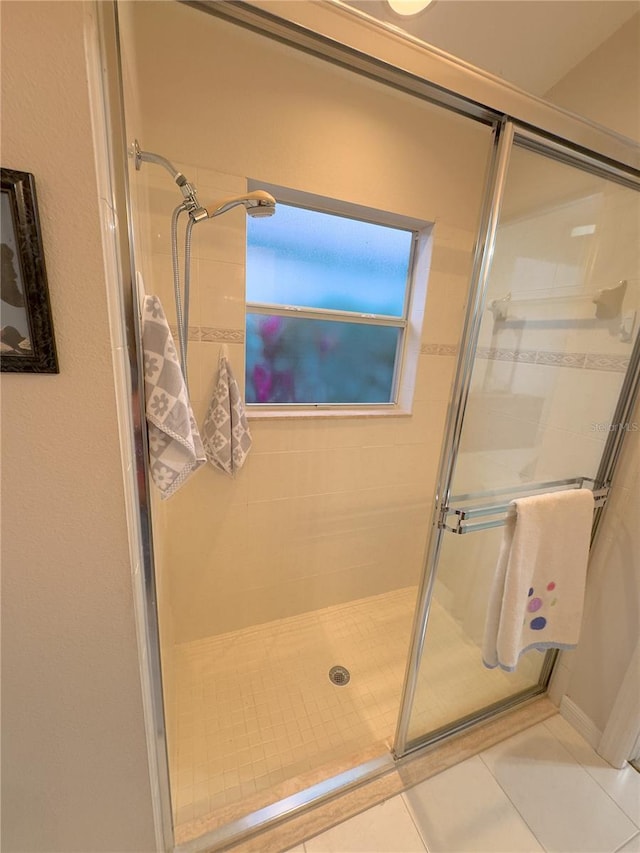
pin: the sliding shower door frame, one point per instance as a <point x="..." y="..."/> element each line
<point x="510" y="135"/>
<point x="496" y="179"/>
<point x="346" y="37"/>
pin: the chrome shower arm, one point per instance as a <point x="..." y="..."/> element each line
<point x="141" y="156"/>
<point x="192" y="205"/>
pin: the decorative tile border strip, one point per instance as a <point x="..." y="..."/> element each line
<point x="230" y="336"/>
<point x="581" y="360"/>
<point x="194" y="332"/>
<point x="211" y="334"/>
<point x="447" y="349"/>
<point x="527" y="356"/>
<point x="584" y="360"/>
<point x="562" y="359"/>
<point x="439" y="349"/>
<point x="601" y="361"/>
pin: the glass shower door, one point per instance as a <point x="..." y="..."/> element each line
<point x="554" y="346"/>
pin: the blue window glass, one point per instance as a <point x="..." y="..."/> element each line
<point x="306" y="272"/>
<point x="301" y="360"/>
<point x="320" y="260"/>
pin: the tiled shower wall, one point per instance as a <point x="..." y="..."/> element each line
<point x="549" y="374"/>
<point x="326" y="510"/>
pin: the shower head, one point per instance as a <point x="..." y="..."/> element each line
<point x="256" y="203"/>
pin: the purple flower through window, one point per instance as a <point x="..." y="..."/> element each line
<point x="273" y="386"/>
<point x="262" y="383"/>
<point x="270" y="328"/>
<point x="327" y="343"/>
<point x="285" y="382"/>
<point x="314" y="361"/>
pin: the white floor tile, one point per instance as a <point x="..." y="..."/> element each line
<point x="623" y="786"/>
<point x="464" y="809"/>
<point x="386" y="828"/>
<point x="632" y="846"/>
<point x="562" y="804"/>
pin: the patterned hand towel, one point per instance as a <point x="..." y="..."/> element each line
<point x="225" y="431"/>
<point x="175" y="447"/>
<point x="538" y="589"/>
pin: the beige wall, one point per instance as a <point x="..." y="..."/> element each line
<point x="604" y="86"/>
<point x="594" y="673"/>
<point x="74" y="762"/>
<point x="325" y="510"/>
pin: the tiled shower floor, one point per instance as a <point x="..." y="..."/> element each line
<point x="255" y="708"/>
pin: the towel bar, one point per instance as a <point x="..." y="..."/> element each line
<point x="464" y="515"/>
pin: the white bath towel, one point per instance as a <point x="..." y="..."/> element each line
<point x="225" y="431"/>
<point x="538" y="589"/>
<point x="175" y="447"/>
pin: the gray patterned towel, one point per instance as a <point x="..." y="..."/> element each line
<point x="175" y="447"/>
<point x="225" y="431"/>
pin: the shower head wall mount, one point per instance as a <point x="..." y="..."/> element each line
<point x="256" y="203"/>
<point x="190" y="199"/>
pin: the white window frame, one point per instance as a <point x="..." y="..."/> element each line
<point x="410" y="323"/>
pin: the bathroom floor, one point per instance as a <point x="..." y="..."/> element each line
<point x="258" y="718"/>
<point x="542" y="789"/>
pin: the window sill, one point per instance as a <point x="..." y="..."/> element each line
<point x="268" y="413"/>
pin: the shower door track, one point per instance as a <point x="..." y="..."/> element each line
<point x="292" y="806"/>
<point x="305" y="801"/>
<point x="479" y="96"/>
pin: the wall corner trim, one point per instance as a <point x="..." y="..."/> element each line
<point x="621" y="736"/>
<point x="577" y="718"/>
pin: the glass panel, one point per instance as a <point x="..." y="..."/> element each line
<point x="552" y="355"/>
<point x="309" y="557"/>
<point x="452" y="681"/>
<point x="297" y="360"/>
<point x="318" y="260"/>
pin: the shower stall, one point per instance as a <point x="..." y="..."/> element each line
<point x="320" y="615"/>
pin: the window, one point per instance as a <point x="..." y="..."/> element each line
<point x="328" y="303"/>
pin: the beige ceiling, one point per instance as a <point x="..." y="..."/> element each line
<point x="509" y="38"/>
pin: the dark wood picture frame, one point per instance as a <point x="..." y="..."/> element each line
<point x="27" y="344"/>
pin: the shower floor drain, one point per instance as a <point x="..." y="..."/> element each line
<point x="339" y="675"/>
